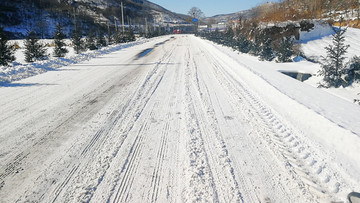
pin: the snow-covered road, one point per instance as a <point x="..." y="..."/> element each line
<point x="180" y="124"/>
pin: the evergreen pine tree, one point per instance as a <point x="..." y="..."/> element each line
<point x="120" y="37"/>
<point x="90" y="41"/>
<point x="215" y="36"/>
<point x="100" y="40"/>
<point x="333" y="67"/>
<point x="256" y="46"/>
<point x="229" y="37"/>
<point x="285" y="50"/>
<point x="244" y="45"/>
<point x="34" y="50"/>
<point x="6" y="51"/>
<point x="109" y="36"/>
<point x="266" y="52"/>
<point x="131" y="35"/>
<point x="77" y="41"/>
<point x="59" y="37"/>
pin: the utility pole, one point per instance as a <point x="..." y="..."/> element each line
<point x="122" y="17"/>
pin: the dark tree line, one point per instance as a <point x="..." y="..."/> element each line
<point x="262" y="45"/>
<point x="81" y="41"/>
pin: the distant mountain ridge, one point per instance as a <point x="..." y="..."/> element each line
<point x="246" y="14"/>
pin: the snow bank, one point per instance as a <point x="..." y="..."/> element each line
<point x="19" y="71"/>
<point x="320" y="30"/>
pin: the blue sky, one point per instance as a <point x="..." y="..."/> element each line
<point x="208" y="7"/>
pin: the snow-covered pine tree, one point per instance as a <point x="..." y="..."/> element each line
<point x="34" y="50"/>
<point x="77" y="41"/>
<point x="100" y="40"/>
<point x="109" y="38"/>
<point x="90" y="41"/>
<point x="333" y="66"/>
<point x="59" y="37"/>
<point x="131" y="35"/>
<point x="118" y="37"/>
<point x="285" y="50"/>
<point x="266" y="52"/>
<point x="6" y="50"/>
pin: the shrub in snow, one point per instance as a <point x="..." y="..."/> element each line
<point x="77" y="41"/>
<point x="6" y="51"/>
<point x="266" y="52"/>
<point x="59" y="37"/>
<point x="285" y="50"/>
<point x="34" y="50"/>
<point x="333" y="67"/>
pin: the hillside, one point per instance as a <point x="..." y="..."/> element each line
<point x="297" y="10"/>
<point x="42" y="15"/>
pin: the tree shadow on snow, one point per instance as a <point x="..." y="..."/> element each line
<point x="2" y="84"/>
<point x="130" y="64"/>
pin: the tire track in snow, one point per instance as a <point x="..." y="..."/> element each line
<point x="129" y="168"/>
<point x="128" y="114"/>
<point x="201" y="181"/>
<point x="251" y="142"/>
<point x="141" y="100"/>
<point x="226" y="179"/>
<point x="315" y="174"/>
<point x="98" y="139"/>
<point x="120" y="190"/>
<point x="87" y="109"/>
<point x="156" y="176"/>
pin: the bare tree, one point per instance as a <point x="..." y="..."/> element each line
<point x="195" y="12"/>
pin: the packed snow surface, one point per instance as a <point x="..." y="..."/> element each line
<point x="190" y="121"/>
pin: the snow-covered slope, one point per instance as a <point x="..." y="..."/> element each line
<point x="316" y="40"/>
<point x="314" y="48"/>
